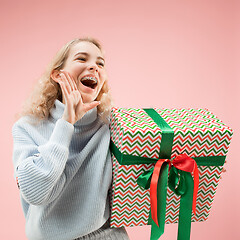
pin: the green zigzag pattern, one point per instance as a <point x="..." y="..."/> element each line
<point x="172" y="211"/>
<point x="128" y="194"/>
<point x="176" y="144"/>
<point x="141" y="135"/>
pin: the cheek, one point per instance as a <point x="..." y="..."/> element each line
<point x="73" y="68"/>
<point x="103" y="77"/>
<point x="101" y="84"/>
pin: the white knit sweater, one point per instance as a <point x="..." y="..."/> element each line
<point x="64" y="174"/>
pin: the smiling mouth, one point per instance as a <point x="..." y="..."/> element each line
<point x="90" y="82"/>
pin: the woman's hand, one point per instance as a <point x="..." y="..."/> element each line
<point x="223" y="170"/>
<point x="75" y="109"/>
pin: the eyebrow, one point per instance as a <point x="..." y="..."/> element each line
<point x="85" y="53"/>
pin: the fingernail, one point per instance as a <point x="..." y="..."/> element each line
<point x="99" y="102"/>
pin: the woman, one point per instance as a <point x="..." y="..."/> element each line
<point x="61" y="155"/>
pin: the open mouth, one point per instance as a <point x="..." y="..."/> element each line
<point x="90" y="82"/>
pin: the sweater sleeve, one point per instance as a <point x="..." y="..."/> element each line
<point x="40" y="169"/>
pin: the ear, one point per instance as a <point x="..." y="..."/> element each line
<point x="55" y="75"/>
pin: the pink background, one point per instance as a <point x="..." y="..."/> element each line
<point x="158" y="53"/>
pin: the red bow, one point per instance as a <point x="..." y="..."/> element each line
<point x="182" y="162"/>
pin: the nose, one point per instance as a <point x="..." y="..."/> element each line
<point x="93" y="67"/>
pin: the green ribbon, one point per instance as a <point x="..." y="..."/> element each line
<point x="144" y="181"/>
<point x="167" y="133"/>
<point x="180" y="182"/>
<point x="126" y="159"/>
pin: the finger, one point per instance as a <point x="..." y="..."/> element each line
<point x="80" y="103"/>
<point x="91" y="105"/>
<point x="80" y="99"/>
<point x="64" y="91"/>
<point x="69" y="79"/>
<point x="75" y="85"/>
<point x="64" y="79"/>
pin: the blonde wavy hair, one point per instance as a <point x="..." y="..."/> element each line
<point x="46" y="90"/>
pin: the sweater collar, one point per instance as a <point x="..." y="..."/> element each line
<point x="58" y="108"/>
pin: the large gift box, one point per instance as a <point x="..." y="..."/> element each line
<point x="146" y="190"/>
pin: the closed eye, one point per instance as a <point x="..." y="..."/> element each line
<point x="101" y="64"/>
<point x="82" y="59"/>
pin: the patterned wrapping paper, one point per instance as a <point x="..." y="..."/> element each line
<point x="197" y="132"/>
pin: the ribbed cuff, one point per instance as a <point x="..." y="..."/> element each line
<point x="62" y="132"/>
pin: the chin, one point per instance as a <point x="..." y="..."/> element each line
<point x="88" y="99"/>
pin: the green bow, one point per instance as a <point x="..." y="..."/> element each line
<point x="181" y="183"/>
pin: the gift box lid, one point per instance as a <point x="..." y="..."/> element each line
<point x="141" y="133"/>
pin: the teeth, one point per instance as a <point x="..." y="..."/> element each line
<point x="89" y="81"/>
<point x="90" y="78"/>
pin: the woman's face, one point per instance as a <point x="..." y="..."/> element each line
<point x="85" y="63"/>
